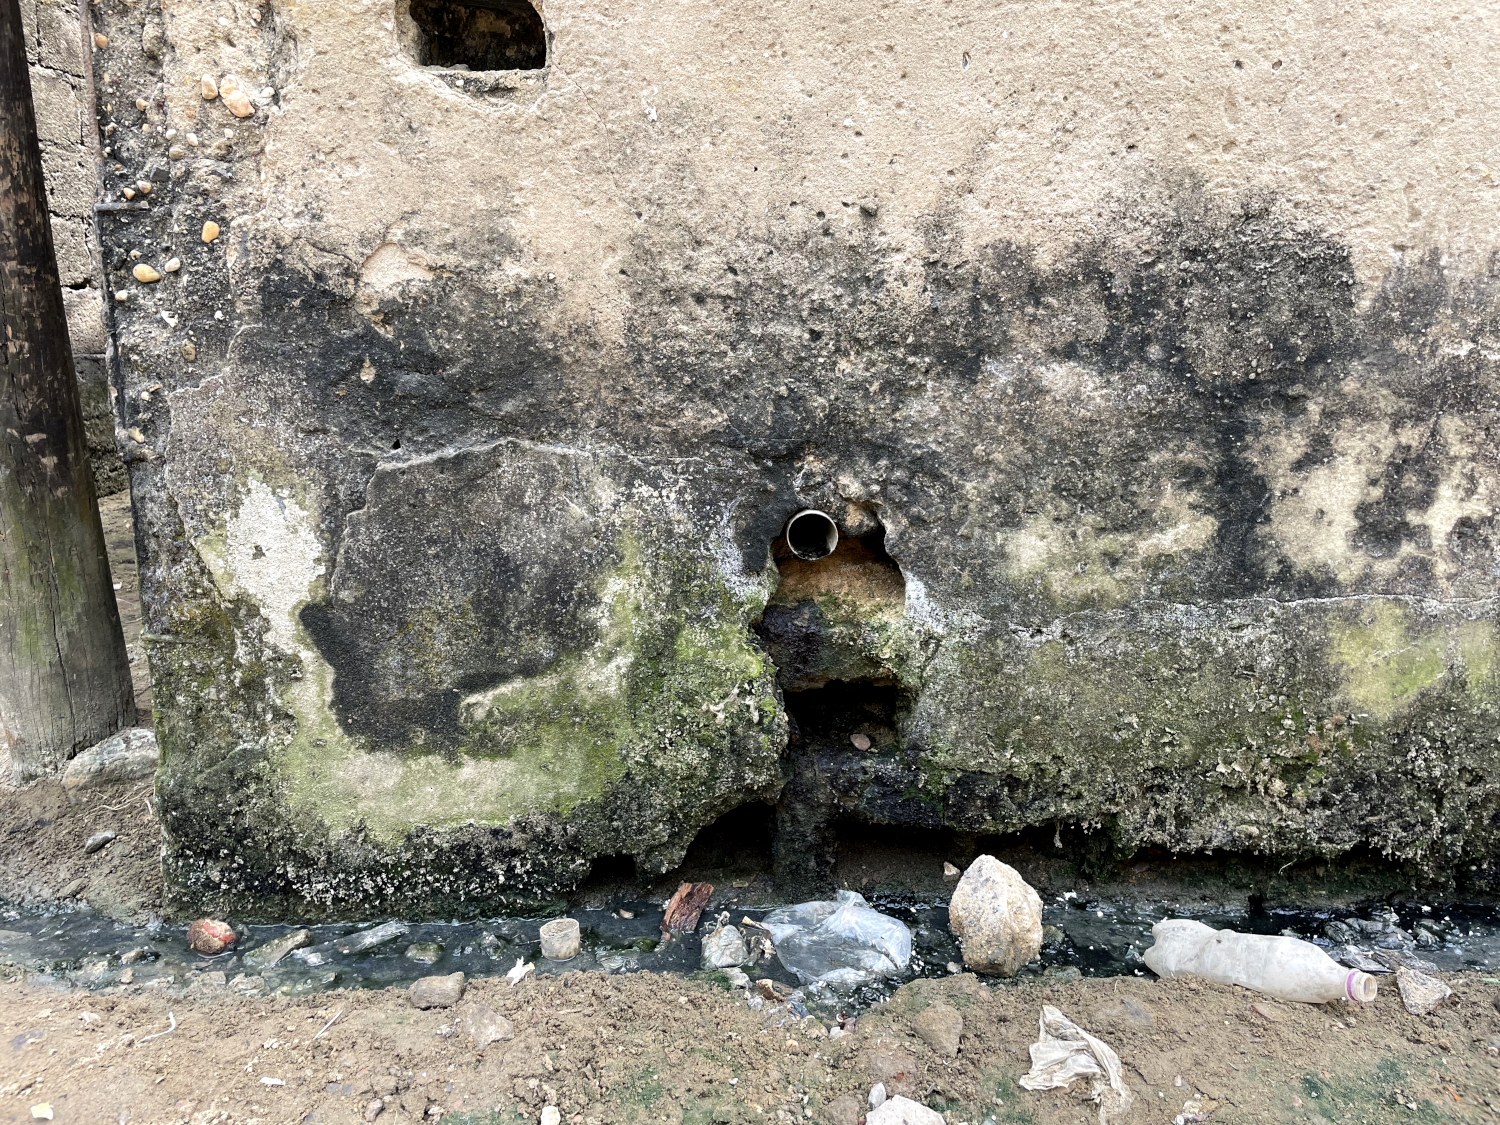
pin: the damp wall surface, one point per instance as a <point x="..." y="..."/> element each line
<point x="1146" y="356"/>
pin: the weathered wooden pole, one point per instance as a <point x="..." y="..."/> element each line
<point x="64" y="675"/>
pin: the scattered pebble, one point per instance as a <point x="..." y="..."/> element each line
<point x="140" y="104"/>
<point x="437" y="992"/>
<point x="424" y="952"/>
<point x="210" y="88"/>
<point x="101" y="41"/>
<point x="877" y="1095"/>
<point x="43" y="1111"/>
<point x="210" y="231"/>
<point x="861" y="741"/>
<point x="235" y="99"/>
<point x="144" y="273"/>
<point x="173" y="265"/>
<point x="189" y="351"/>
<point x="1420" y="993"/>
<point x="128" y="193"/>
<point x="99" y="840"/>
<point x="210" y="936"/>
<point x="176" y="152"/>
<point x="551" y="1116"/>
<point x="192" y="140"/>
<point x="373" y="1108"/>
<point x="484" y="1026"/>
<point x="951" y="873"/>
<point x="73" y="888"/>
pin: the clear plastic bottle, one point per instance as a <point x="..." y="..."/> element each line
<point x="1286" y="968"/>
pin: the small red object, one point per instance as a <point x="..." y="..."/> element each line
<point x="210" y="936"/>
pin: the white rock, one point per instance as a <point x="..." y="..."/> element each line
<point x="724" y="948"/>
<point x="877" y="1095"/>
<point x="997" y="918"/>
<point x="126" y="755"/>
<point x="551" y="1115"/>
<point x="903" y="1111"/>
<point x="1420" y="993"/>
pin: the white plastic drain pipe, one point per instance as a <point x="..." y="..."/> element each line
<point x="812" y="535"/>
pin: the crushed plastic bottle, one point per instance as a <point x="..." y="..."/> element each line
<point x="845" y="941"/>
<point x="1286" y="968"/>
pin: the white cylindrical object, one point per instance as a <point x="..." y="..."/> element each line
<point x="560" y="939"/>
<point x="1286" y="968"/>
<point x="812" y="535"/>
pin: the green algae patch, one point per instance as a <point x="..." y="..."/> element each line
<point x="1387" y="656"/>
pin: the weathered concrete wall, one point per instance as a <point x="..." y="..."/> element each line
<point x="59" y="91"/>
<point x="1160" y="342"/>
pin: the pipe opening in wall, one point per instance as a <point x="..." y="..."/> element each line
<point x="812" y="535"/>
<point x="476" y="34"/>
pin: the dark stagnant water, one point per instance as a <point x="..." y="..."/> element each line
<point x="78" y="948"/>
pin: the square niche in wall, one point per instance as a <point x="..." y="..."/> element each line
<point x="481" y="35"/>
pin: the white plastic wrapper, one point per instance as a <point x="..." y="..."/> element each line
<point x="1064" y="1052"/>
<point x="840" y="942"/>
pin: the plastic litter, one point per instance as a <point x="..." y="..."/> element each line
<point x="724" y="946"/>
<point x="1286" y="968"/>
<point x="844" y="941"/>
<point x="1065" y="1052"/>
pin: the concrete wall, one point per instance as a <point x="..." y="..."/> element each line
<point x="1146" y="356"/>
<point x="59" y="92"/>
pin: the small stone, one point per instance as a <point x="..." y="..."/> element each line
<point x="99" y="840"/>
<point x="210" y="231"/>
<point x="192" y="140"/>
<point x="122" y="295"/>
<point x="1420" y="993"/>
<point x="551" y="1116"/>
<point x="861" y="741"/>
<point x="131" y="956"/>
<point x="437" y="992"/>
<point x="127" y="976"/>
<point x="940" y="1027"/>
<point x="951" y="873"/>
<point x="176" y="152"/>
<point x="172" y="266"/>
<point x="424" y="952"/>
<point x="485" y="1026"/>
<point x="73" y="888"/>
<point x="128" y="193"/>
<point x="210" y="936"/>
<point x="140" y="104"/>
<point x="264" y="956"/>
<point x="997" y="918"/>
<point x="869" y="207"/>
<point x="127" y="755"/>
<point x="189" y="351"/>
<point x="560" y="939"/>
<point x="373" y="1108"/>
<point x="43" y="1110"/>
<point x="877" y="1095"/>
<point x="773" y="989"/>
<point x="101" y="40"/>
<point x="1268" y="1011"/>
<point x="209" y="87"/>
<point x="143" y="186"/>
<point x="144" y="273"/>
<point x="1062" y="974"/>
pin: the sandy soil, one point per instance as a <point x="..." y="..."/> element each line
<point x="668" y="1049"/>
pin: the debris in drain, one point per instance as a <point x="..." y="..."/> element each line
<point x="369" y="939"/>
<point x="209" y="936"/>
<point x="560" y="939"/>
<point x="724" y="945"/>
<point x="1286" y="968"/>
<point x="996" y="917"/>
<point x="1420" y="993"/>
<point x="683" y="909"/>
<point x="861" y="741"/>
<point x="842" y="941"/>
<point x="1065" y="1052"/>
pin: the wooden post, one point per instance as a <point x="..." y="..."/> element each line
<point x="64" y="674"/>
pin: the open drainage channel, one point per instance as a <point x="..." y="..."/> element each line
<point x="1083" y="938"/>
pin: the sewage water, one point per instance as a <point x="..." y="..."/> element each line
<point x="78" y="948"/>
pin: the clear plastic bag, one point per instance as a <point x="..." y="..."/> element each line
<point x="840" y="942"/>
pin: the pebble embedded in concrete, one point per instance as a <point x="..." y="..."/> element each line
<point x="209" y="88"/>
<point x="144" y="273"/>
<point x="173" y="265"/>
<point x="143" y="186"/>
<point x="101" y="40"/>
<point x="210" y="231"/>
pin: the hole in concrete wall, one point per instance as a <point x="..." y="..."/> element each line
<point x="475" y="34"/>
<point x="739" y="842"/>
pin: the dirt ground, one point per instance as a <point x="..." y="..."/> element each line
<point x="669" y="1049"/>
